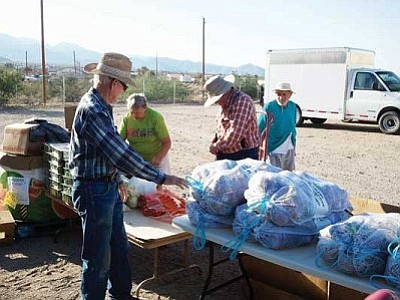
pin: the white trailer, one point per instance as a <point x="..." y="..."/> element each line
<point x="336" y="83"/>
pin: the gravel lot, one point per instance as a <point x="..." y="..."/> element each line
<point x="356" y="156"/>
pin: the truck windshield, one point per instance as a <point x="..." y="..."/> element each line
<point x="391" y="80"/>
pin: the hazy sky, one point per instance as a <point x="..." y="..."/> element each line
<point x="237" y="32"/>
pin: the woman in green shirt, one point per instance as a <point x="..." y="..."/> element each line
<point x="145" y="130"/>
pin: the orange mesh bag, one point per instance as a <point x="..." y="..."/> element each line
<point x="162" y="205"/>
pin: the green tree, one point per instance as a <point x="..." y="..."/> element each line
<point x="159" y="88"/>
<point x="10" y="84"/>
<point x="248" y="84"/>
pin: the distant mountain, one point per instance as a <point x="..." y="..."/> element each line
<point x="14" y="49"/>
<point x="5" y="60"/>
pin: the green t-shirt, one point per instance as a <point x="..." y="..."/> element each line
<point x="144" y="135"/>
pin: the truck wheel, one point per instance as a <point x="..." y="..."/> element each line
<point x="389" y="122"/>
<point x="317" y="120"/>
<point x="299" y="118"/>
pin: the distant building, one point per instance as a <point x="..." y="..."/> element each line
<point x="186" y="78"/>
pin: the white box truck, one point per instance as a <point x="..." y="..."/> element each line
<point x="336" y="83"/>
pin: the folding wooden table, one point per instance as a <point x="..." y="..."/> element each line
<point x="148" y="233"/>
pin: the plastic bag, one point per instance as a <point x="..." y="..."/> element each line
<point x="392" y="270"/>
<point x="137" y="187"/>
<point x="251" y="225"/>
<point x="358" y="246"/>
<point x="293" y="199"/>
<point x="224" y="191"/>
<point x="162" y="205"/>
<point x="203" y="171"/>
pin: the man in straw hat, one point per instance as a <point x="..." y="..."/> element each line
<point x="97" y="154"/>
<point x="282" y="133"/>
<point x="237" y="135"/>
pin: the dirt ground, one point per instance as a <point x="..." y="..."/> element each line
<point x="356" y="156"/>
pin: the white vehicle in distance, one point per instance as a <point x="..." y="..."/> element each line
<point x="336" y="83"/>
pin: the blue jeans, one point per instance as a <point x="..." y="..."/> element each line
<point x="242" y="154"/>
<point x="105" y="253"/>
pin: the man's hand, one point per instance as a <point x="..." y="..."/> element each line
<point x="174" y="180"/>
<point x="213" y="149"/>
<point x="123" y="191"/>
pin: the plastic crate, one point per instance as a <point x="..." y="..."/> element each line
<point x="67" y="189"/>
<point x="56" y="169"/>
<point x="66" y="198"/>
<point x="56" y="186"/>
<point x="67" y="180"/>
<point x="56" y="177"/>
<point x="55" y="161"/>
<point x="57" y="150"/>
<point x="55" y="193"/>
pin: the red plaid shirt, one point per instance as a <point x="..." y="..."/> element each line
<point x="237" y="125"/>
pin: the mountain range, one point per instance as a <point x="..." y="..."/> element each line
<point x="18" y="50"/>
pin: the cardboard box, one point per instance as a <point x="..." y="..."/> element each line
<point x="338" y="292"/>
<point x="365" y="205"/>
<point x="25" y="176"/>
<point x="17" y="140"/>
<point x="69" y="114"/>
<point x="263" y="291"/>
<point x="293" y="283"/>
<point x="7" y="227"/>
<point x="12" y="161"/>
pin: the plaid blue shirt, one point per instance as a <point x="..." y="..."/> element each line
<point x="97" y="150"/>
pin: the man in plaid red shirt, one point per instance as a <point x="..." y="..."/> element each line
<point x="237" y="135"/>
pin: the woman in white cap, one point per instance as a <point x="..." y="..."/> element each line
<point x="237" y="135"/>
<point x="282" y="133"/>
<point x="97" y="154"/>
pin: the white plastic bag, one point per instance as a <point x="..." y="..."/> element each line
<point x="137" y="187"/>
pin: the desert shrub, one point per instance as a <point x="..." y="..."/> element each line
<point x="248" y="85"/>
<point x="159" y="88"/>
<point x="10" y="84"/>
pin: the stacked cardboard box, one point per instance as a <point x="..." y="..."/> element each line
<point x="23" y="174"/>
<point x="60" y="180"/>
<point x="7" y="227"/>
<point x="17" y="140"/>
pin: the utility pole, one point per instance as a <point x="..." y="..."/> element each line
<point x="26" y="63"/>
<point x="43" y="57"/>
<point x="204" y="59"/>
<point x="156" y="64"/>
<point x="74" y="63"/>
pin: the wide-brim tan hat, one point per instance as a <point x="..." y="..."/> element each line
<point x="283" y="86"/>
<point x="216" y="86"/>
<point x="115" y="65"/>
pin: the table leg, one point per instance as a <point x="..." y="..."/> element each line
<point x="212" y="263"/>
<point x="155" y="276"/>
<point x="240" y="256"/>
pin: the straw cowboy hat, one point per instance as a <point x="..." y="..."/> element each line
<point x="283" y="86"/>
<point x="216" y="86"/>
<point x="115" y="65"/>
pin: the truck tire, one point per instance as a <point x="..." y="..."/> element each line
<point x="299" y="118"/>
<point x="389" y="122"/>
<point x="317" y="121"/>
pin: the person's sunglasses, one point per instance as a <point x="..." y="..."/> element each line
<point x="125" y="87"/>
<point x="123" y="84"/>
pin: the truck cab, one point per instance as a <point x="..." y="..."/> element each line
<point x="373" y="95"/>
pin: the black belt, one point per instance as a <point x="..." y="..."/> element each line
<point x="106" y="179"/>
